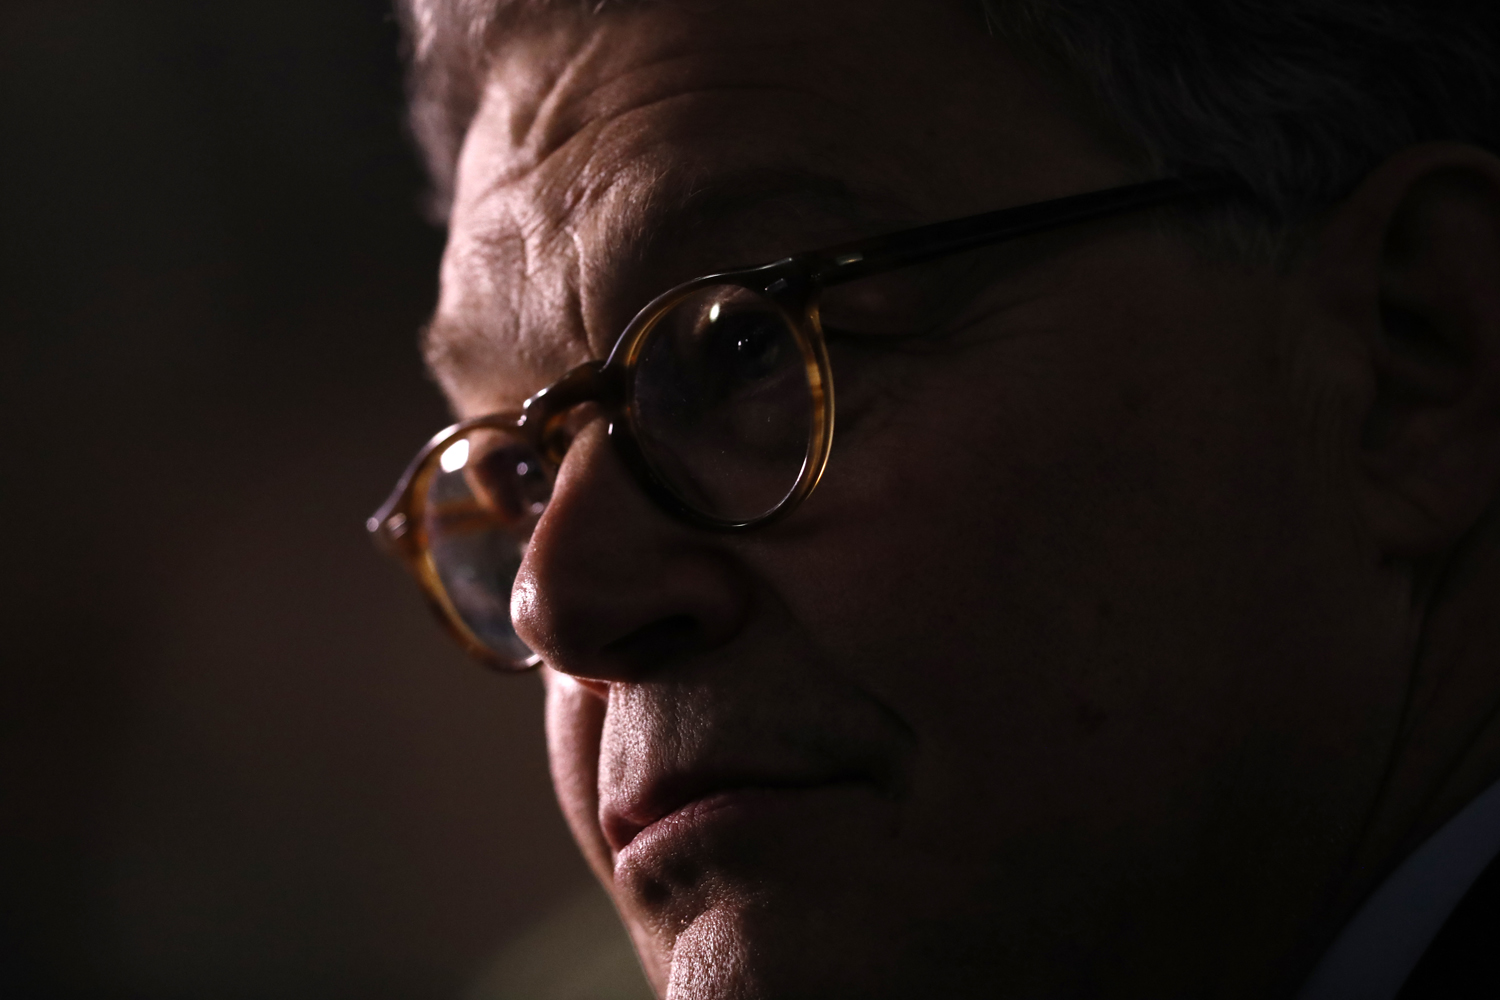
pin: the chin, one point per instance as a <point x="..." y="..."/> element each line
<point x="803" y="894"/>
<point x="786" y="947"/>
<point x="744" y="949"/>
<point x="770" y="893"/>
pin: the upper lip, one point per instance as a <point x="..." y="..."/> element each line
<point x="624" y="818"/>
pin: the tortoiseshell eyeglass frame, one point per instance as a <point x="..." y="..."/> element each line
<point x="793" y="284"/>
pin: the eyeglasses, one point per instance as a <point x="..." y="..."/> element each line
<point x="719" y="399"/>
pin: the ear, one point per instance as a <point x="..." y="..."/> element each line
<point x="1420" y="242"/>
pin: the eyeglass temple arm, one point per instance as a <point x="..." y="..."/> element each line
<point x="850" y="261"/>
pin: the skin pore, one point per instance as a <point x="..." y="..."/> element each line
<point x="1092" y="666"/>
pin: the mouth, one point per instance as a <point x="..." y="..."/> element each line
<point x="695" y="804"/>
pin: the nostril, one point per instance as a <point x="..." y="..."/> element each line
<point x="657" y="644"/>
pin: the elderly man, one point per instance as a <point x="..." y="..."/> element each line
<point x="1054" y="554"/>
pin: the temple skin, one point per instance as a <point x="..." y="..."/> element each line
<point x="1109" y="657"/>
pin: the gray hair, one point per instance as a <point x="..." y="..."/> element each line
<point x="1298" y="98"/>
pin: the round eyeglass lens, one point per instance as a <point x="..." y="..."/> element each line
<point x="481" y="498"/>
<point x="722" y="403"/>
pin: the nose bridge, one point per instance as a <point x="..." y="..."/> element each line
<point x="545" y="413"/>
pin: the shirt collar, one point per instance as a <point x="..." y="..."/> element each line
<point x="1377" y="950"/>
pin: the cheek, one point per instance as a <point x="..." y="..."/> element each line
<point x="1060" y="564"/>
<point x="1093" y="584"/>
<point x="575" y="720"/>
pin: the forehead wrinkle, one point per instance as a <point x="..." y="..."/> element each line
<point x="544" y="99"/>
<point x="519" y="93"/>
<point x="578" y="225"/>
<point x="640" y="208"/>
<point x="580" y="122"/>
<point x="622" y="206"/>
<point x="572" y="76"/>
<point x="557" y="120"/>
<point x="557" y="133"/>
<point x="511" y="317"/>
<point x="510" y="274"/>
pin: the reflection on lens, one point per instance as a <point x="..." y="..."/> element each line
<point x="479" y="505"/>
<point x="722" y="405"/>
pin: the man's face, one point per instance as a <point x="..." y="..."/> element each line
<point x="1062" y="683"/>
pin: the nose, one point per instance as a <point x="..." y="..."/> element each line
<point x="614" y="589"/>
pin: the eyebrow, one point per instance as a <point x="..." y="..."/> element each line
<point x="677" y="218"/>
<point x="727" y="196"/>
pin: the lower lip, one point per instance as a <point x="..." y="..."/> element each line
<point x="721" y="811"/>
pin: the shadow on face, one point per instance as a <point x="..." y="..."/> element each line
<point x="1072" y="674"/>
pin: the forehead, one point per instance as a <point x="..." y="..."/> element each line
<point x="615" y="154"/>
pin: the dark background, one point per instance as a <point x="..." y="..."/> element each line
<point x="236" y="757"/>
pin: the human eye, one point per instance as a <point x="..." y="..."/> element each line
<point x="746" y="347"/>
<point x="721" y="346"/>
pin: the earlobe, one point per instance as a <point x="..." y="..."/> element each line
<point x="1430" y="447"/>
